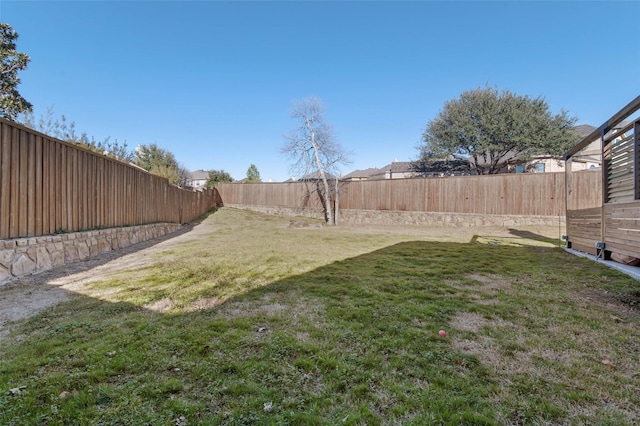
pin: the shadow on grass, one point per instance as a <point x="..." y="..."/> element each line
<point x="520" y="238"/>
<point x="533" y="236"/>
<point x="353" y="342"/>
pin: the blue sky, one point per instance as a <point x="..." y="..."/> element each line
<point x="213" y="82"/>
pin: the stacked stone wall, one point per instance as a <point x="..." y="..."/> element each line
<point x="397" y="217"/>
<point x="25" y="256"/>
<point x="389" y="217"/>
<point x="282" y="211"/>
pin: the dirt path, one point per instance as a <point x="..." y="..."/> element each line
<point x="28" y="296"/>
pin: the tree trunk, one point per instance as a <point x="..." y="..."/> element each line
<point x="327" y="198"/>
<point x="337" y="205"/>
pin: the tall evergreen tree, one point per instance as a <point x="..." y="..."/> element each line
<point x="11" y="61"/>
<point x="253" y="175"/>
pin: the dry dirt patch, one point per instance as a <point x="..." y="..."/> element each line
<point x="468" y="321"/>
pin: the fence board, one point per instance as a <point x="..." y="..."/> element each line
<point x="38" y="186"/>
<point x="5" y="177"/>
<point x="23" y="184"/>
<point x="13" y="182"/>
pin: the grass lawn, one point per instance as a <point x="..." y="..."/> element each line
<point x="253" y="321"/>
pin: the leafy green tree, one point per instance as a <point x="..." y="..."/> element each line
<point x="217" y="176"/>
<point x="150" y="156"/>
<point x="158" y="161"/>
<point x="488" y="128"/>
<point x="11" y="61"/>
<point x="253" y="175"/>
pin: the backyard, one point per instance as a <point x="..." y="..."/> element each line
<point x="247" y="318"/>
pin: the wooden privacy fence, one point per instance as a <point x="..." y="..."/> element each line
<point x="527" y="194"/>
<point x="49" y="186"/>
<point x="506" y="194"/>
<point x="286" y="194"/>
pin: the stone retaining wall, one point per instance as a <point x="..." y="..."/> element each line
<point x="24" y="256"/>
<point x="396" y="217"/>
<point x="281" y="211"/>
<point x="381" y="217"/>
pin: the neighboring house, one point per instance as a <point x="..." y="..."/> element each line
<point x="395" y="170"/>
<point x="405" y="170"/>
<point x="590" y="157"/>
<point x="358" y="175"/>
<point x="550" y="163"/>
<point x="312" y="177"/>
<point x="196" y="180"/>
<point x="537" y="164"/>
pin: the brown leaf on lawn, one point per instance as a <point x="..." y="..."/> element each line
<point x="607" y="361"/>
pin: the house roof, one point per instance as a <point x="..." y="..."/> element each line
<point x="584" y="130"/>
<point x="316" y="176"/>
<point x="448" y="167"/>
<point x="625" y="112"/>
<point x="362" y="174"/>
<point x="198" y="175"/>
<point x="398" y="167"/>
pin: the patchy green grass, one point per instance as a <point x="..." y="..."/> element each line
<point x="256" y="322"/>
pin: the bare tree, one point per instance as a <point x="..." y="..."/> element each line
<point x="183" y="175"/>
<point x="312" y="147"/>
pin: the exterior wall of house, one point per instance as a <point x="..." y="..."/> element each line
<point x="196" y="183"/>
<point x="401" y="175"/>
<point x="589" y="158"/>
<point x="538" y="165"/>
<point x="551" y="165"/>
<point x="558" y="166"/>
<point x="585" y="165"/>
